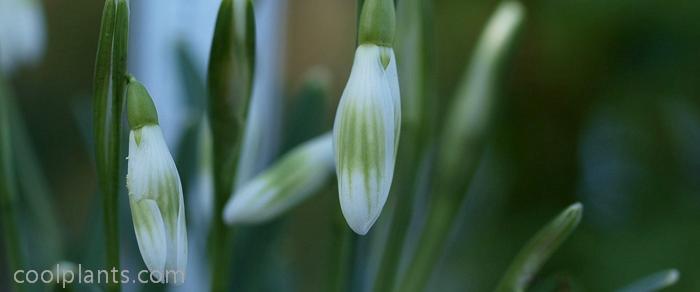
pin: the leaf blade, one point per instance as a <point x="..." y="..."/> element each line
<point x="539" y="248"/>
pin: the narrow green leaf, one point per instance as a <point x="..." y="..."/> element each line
<point x="103" y="65"/>
<point x="653" y="282"/>
<point x="540" y="247"/>
<point x="35" y="195"/>
<point x="469" y="117"/>
<point x="307" y="114"/>
<point x="8" y="189"/>
<point x="463" y="139"/>
<point x="413" y="49"/>
<point x="229" y="82"/>
<point x="110" y="66"/>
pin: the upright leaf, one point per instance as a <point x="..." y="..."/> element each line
<point x="8" y="190"/>
<point x="110" y="66"/>
<point x="229" y="83"/>
<point x="463" y="139"/>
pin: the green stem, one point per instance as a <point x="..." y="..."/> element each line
<point x="221" y="237"/>
<point x="402" y="193"/>
<point x="436" y="230"/>
<point x="343" y="253"/>
<point x="8" y="193"/>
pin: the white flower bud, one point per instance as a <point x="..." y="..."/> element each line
<point x="157" y="208"/>
<point x="155" y="191"/>
<point x="295" y="177"/>
<point x="366" y="135"/>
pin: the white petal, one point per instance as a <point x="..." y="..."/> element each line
<point x="181" y="242"/>
<point x="392" y="78"/>
<point x="364" y="135"/>
<point x="153" y="178"/>
<point x="150" y="234"/>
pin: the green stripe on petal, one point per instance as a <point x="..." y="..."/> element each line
<point x="150" y="234"/>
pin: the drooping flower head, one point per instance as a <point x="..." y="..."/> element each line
<point x="367" y="122"/>
<point x="155" y="191"/>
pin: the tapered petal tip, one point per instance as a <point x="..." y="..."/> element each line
<point x="358" y="222"/>
<point x="361" y="202"/>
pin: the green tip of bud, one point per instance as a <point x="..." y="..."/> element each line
<point x="140" y="108"/>
<point x="377" y="23"/>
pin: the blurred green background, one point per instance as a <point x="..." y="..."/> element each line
<point x="601" y="104"/>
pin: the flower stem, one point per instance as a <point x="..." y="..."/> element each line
<point x="403" y="194"/>
<point x="435" y="231"/>
<point x="342" y="262"/>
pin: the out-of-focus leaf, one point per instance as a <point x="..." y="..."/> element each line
<point x="556" y="283"/>
<point x="229" y="83"/>
<point x="540" y="247"/>
<point x="307" y="116"/>
<point x="463" y="139"/>
<point x="40" y="220"/>
<point x="195" y="91"/>
<point x="8" y="189"/>
<point x="653" y="282"/>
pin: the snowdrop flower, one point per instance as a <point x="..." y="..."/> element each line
<point x="155" y="191"/>
<point x="285" y="184"/>
<point x="367" y="122"/>
<point x="22" y="35"/>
